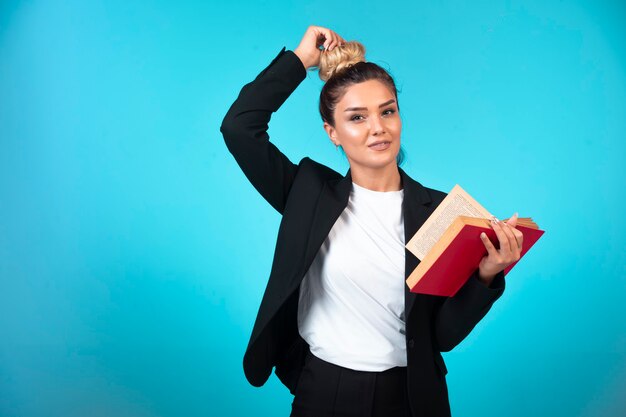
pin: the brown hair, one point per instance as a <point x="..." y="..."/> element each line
<point x="342" y="67"/>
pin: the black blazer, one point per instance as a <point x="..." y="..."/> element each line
<point x="311" y="196"/>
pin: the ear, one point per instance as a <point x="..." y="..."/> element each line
<point x="332" y="133"/>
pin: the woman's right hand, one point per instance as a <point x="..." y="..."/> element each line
<point x="315" y="36"/>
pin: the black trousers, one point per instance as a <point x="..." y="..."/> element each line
<point x="325" y="389"/>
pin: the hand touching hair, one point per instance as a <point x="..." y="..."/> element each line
<point x="314" y="38"/>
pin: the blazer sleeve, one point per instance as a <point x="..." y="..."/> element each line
<point x="245" y="128"/>
<point x="457" y="316"/>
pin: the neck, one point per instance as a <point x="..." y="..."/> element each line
<point x="383" y="179"/>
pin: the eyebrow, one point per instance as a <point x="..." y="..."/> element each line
<point x="365" y="108"/>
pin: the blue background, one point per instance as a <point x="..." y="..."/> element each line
<point x="134" y="253"/>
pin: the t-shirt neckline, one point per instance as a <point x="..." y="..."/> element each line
<point x="364" y="190"/>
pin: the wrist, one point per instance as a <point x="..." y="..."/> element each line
<point x="306" y="61"/>
<point x="486" y="279"/>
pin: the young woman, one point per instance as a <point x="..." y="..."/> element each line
<point x="337" y="320"/>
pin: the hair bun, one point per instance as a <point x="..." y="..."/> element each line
<point x="339" y="58"/>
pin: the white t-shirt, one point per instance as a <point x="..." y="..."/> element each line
<point x="351" y="306"/>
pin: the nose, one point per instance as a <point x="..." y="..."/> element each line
<point x="376" y="126"/>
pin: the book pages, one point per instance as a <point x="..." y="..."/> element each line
<point x="457" y="203"/>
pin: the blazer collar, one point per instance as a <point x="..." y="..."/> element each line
<point x="413" y="190"/>
<point x="334" y="199"/>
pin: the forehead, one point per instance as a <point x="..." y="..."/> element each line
<point x="366" y="94"/>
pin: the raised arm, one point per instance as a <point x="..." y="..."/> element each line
<point x="246" y="123"/>
<point x="245" y="128"/>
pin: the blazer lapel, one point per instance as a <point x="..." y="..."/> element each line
<point x="416" y="209"/>
<point x="334" y="199"/>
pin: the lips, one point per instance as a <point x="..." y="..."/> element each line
<point x="381" y="145"/>
<point x="378" y="143"/>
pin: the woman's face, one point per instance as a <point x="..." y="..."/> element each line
<point x="366" y="114"/>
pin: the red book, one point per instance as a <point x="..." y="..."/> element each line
<point x="456" y="255"/>
<point x="449" y="246"/>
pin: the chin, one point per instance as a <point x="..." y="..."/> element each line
<point x="390" y="160"/>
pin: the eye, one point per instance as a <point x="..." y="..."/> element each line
<point x="385" y="112"/>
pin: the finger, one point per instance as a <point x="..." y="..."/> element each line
<point x="516" y="236"/>
<point x="519" y="238"/>
<point x="491" y="250"/>
<point x="325" y="42"/>
<point x="336" y="41"/>
<point x="505" y="247"/>
<point x="512" y="241"/>
<point x="513" y="220"/>
<point x="320" y="38"/>
<point x="329" y="38"/>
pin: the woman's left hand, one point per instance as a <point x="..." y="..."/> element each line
<point x="497" y="260"/>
